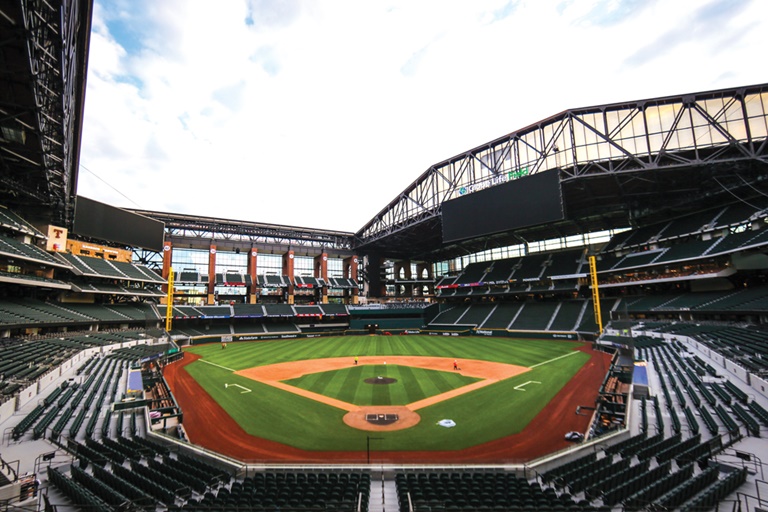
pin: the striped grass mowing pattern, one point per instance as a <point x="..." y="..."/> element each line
<point x="412" y="384"/>
<point x="482" y="415"/>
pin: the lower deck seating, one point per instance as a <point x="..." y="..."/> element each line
<point x="479" y="490"/>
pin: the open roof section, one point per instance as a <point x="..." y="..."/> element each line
<point x="43" y="58"/>
<point x="620" y="165"/>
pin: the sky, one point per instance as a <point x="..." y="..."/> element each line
<point x="318" y="113"/>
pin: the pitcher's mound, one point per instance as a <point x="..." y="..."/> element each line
<point x="380" y="380"/>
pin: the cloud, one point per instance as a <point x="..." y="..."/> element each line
<point x="611" y="12"/>
<point x="273" y="13"/>
<point x="318" y="113"/>
<point x="706" y="25"/>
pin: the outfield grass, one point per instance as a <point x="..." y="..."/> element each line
<point x="413" y="384"/>
<point x="488" y="413"/>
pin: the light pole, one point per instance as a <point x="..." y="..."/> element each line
<point x="368" y="440"/>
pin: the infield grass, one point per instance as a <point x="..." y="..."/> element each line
<point x="412" y="384"/>
<point x="489" y="413"/>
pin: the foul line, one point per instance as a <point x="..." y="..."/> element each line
<point x="555" y="359"/>
<point x="214" y="364"/>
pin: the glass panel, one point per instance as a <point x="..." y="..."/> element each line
<point x="335" y="267"/>
<point x="269" y="264"/>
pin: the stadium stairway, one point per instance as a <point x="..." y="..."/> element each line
<point x="678" y="362"/>
<point x="383" y="492"/>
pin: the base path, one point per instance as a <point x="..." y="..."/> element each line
<point x="208" y="425"/>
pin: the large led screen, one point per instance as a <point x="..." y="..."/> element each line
<point x="523" y="202"/>
<point x="104" y="222"/>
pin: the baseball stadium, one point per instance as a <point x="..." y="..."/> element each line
<point x="569" y="317"/>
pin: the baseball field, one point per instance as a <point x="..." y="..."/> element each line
<point x="304" y="398"/>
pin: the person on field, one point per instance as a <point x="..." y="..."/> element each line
<point x="455" y="364"/>
<point x="355" y="360"/>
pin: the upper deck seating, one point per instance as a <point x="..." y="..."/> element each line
<point x="565" y="263"/>
<point x="334" y="309"/>
<point x="637" y="259"/>
<point x="272" y="281"/>
<point x="473" y="273"/>
<point x="28" y="252"/>
<point x="342" y="282"/>
<point x="308" y="310"/>
<point x="307" y="282"/>
<point x="644" y="235"/>
<point x="689" y="224"/>
<point x="731" y="242"/>
<point x="531" y="267"/>
<point x="231" y="278"/>
<point x="739" y="213"/>
<point x="136" y="272"/>
<point x="33" y="280"/>
<point x="186" y="312"/>
<point x="215" y="311"/>
<point x="685" y="251"/>
<point x="10" y="220"/>
<point x="445" y="281"/>
<point x="617" y="241"/>
<point x="279" y="310"/>
<point x="501" y="271"/>
<point x="248" y="310"/>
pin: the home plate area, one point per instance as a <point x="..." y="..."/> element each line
<point x="381" y="418"/>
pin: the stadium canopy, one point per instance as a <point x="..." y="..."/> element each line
<point x="619" y="165"/>
<point x="43" y="64"/>
<point x="198" y="232"/>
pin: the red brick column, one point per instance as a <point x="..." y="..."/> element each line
<point x="288" y="271"/>
<point x="211" y="274"/>
<point x="252" y="267"/>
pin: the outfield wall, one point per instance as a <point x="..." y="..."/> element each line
<point x="465" y="330"/>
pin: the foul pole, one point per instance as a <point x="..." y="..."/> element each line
<point x="595" y="293"/>
<point x="169" y="302"/>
